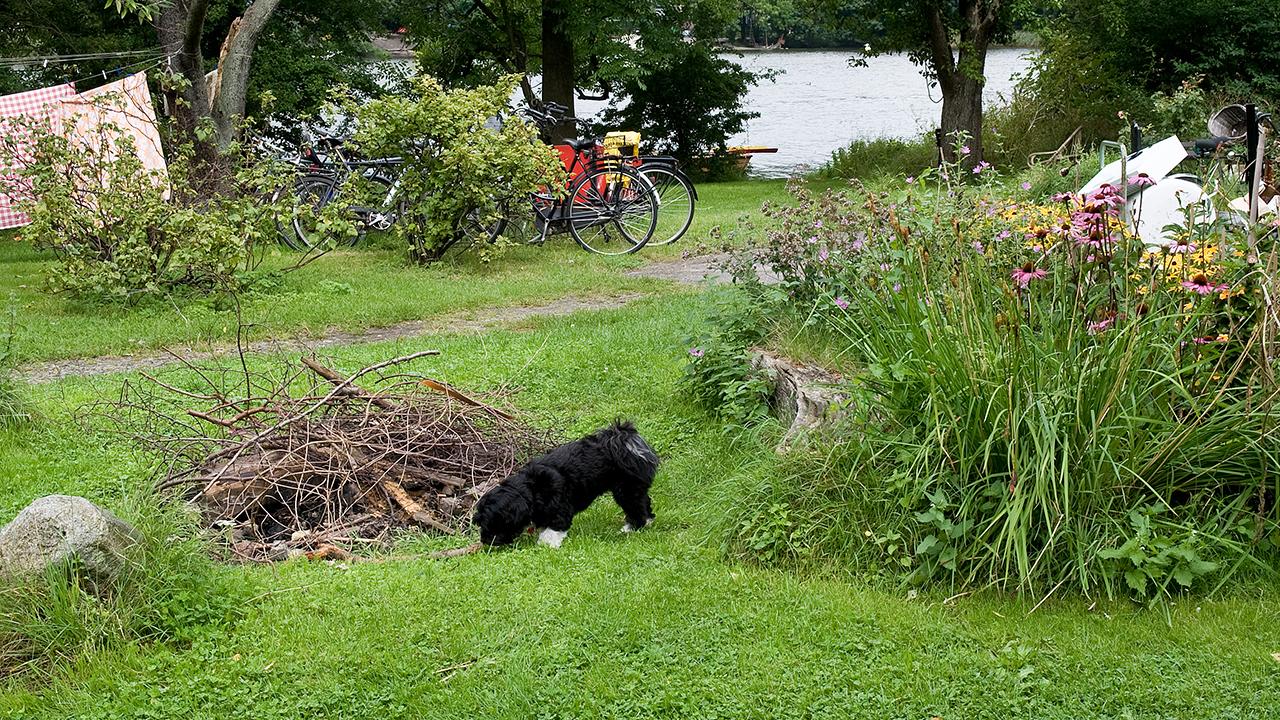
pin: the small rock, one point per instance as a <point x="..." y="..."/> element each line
<point x="58" y="528"/>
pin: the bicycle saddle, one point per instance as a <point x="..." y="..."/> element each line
<point x="580" y="144"/>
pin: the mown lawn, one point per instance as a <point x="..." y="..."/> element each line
<point x="653" y="625"/>
<point x="345" y="290"/>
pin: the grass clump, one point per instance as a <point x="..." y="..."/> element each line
<point x="880" y="157"/>
<point x="170" y="591"/>
<point x="1040" y="401"/>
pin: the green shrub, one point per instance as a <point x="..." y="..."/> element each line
<point x="13" y="406"/>
<point x="719" y="375"/>
<point x="171" y="591"/>
<point x="121" y="232"/>
<point x="459" y="168"/>
<point x="867" y="159"/>
<point x="1039" y="401"/>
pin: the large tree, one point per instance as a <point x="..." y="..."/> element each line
<point x="579" y="47"/>
<point x="949" y="40"/>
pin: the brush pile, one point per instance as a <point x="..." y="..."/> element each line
<point x="303" y="461"/>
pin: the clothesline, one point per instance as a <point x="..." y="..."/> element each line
<point x="45" y="60"/>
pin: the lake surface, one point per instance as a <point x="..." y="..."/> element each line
<point x="818" y="103"/>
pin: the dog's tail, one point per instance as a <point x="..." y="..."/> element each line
<point x="631" y="452"/>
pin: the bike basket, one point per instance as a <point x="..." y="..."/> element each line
<point x="625" y="143"/>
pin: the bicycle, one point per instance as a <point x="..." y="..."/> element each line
<point x="327" y="175"/>
<point x="677" y="196"/>
<point x="609" y="208"/>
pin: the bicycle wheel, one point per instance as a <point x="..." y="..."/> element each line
<point x="612" y="211"/>
<point x="312" y="194"/>
<point x="676" y="199"/>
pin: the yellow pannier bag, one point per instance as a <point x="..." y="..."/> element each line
<point x="625" y="143"/>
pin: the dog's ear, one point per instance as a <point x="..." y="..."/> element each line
<point x="502" y="515"/>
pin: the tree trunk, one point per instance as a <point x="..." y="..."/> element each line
<point x="962" y="79"/>
<point x="558" y="64"/>
<point x="233" y="73"/>
<point x="179" y="27"/>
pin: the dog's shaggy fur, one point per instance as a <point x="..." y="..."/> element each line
<point x="550" y="490"/>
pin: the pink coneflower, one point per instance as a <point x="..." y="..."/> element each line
<point x="1141" y="180"/>
<point x="1182" y="245"/>
<point x="1201" y="285"/>
<point x="1025" y="274"/>
<point x="1062" y="197"/>
<point x="841" y="303"/>
<point x="696" y="352"/>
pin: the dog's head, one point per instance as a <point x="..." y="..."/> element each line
<point x="503" y="514"/>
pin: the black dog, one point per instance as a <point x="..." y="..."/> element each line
<point x="550" y="490"/>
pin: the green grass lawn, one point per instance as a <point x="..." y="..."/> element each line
<point x="346" y="290"/>
<point x="652" y="625"/>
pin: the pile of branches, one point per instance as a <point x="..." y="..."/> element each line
<point x="300" y="460"/>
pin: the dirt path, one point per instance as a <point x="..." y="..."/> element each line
<point x="469" y="323"/>
<point x="688" y="270"/>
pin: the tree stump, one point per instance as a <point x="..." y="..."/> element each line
<point x="805" y="397"/>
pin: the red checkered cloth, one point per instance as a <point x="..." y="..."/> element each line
<point x="45" y="102"/>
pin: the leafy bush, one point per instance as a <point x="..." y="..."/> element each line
<point x="460" y="167"/>
<point x="719" y="374"/>
<point x="120" y="231"/>
<point x="13" y="407"/>
<point x="171" y="591"/>
<point x="867" y="159"/>
<point x="1040" y="400"/>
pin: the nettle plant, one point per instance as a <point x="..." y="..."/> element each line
<point x="1031" y="377"/>
<point x="465" y="162"/>
<point x="121" y="231"/>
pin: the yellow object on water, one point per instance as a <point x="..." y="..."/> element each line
<point x="623" y="142"/>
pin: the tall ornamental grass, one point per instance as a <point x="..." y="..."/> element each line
<point x="1041" y="402"/>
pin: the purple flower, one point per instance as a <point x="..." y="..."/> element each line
<point x="696" y="352"/>
<point x="1062" y="197"/>
<point x="1141" y="180"/>
<point x="979" y="247"/>
<point x="823" y="255"/>
<point x="841" y="303"/>
<point x="1025" y="274"/>
<point x="977" y="169"/>
<point x="1004" y="234"/>
<point x="1099" y="326"/>
<point x="884" y="267"/>
<point x="1026" y="185"/>
<point x="1201" y="285"/>
<point x="813" y="240"/>
<point x="817" y="224"/>
<point x="965" y="150"/>
<point x="911" y="179"/>
<point x="897" y="287"/>
<point x="1182" y="245"/>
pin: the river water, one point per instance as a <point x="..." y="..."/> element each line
<point x="818" y="103"/>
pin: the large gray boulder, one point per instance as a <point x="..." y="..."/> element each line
<point x="58" y="528"/>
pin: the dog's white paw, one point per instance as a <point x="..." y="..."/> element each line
<point x="628" y="528"/>
<point x="552" y="538"/>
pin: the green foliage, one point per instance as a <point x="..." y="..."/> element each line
<point x="686" y="104"/>
<point x="1029" y="380"/>
<point x="719" y="373"/>
<point x="1182" y="112"/>
<point x="170" y="591"/>
<point x="14" y="409"/>
<point x="121" y="231"/>
<point x="867" y="159"/>
<point x="457" y="165"/>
